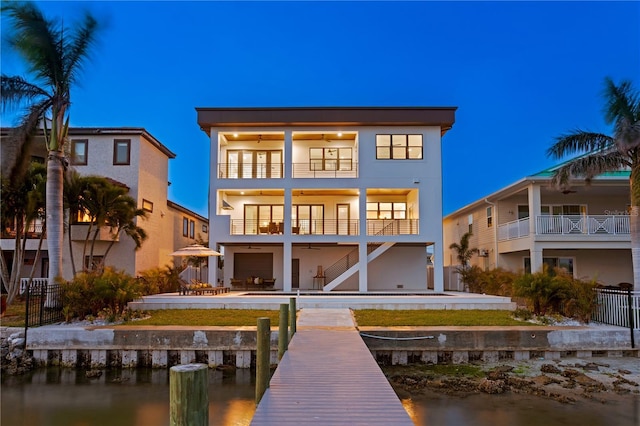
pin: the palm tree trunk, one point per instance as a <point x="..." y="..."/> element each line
<point x="55" y="226"/>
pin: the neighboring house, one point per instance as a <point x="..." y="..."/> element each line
<point x="131" y="157"/>
<point x="327" y="198"/>
<point x="583" y="228"/>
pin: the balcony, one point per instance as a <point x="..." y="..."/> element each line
<point x="566" y="225"/>
<point x="327" y="227"/>
<point x="33" y="231"/>
<point x="276" y="171"/>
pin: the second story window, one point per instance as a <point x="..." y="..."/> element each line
<point x="192" y="229"/>
<point x="330" y="159"/>
<point x="121" y="152"/>
<point x="79" y="152"/>
<point x="489" y="217"/>
<point x="185" y="227"/>
<point x="399" y="147"/>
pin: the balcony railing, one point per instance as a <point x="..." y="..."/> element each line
<point x="250" y="171"/>
<point x="514" y="229"/>
<point x="393" y="226"/>
<point x="300" y="227"/>
<point x="577" y="224"/>
<point x="33" y="231"/>
<point x="327" y="227"/>
<point x="310" y="170"/>
<point x="566" y="225"/>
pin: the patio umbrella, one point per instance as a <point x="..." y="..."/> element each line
<point x="196" y="250"/>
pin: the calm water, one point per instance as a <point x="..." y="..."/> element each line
<point x="140" y="397"/>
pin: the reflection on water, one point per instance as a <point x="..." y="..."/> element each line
<point x="523" y="410"/>
<point x="65" y="397"/>
<point x="138" y="397"/>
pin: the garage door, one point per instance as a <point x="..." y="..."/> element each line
<point x="252" y="265"/>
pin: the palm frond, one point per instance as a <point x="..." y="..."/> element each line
<point x="622" y="102"/>
<point x="80" y="47"/>
<point x="16" y="91"/>
<point x="589" y="166"/>
<point x="579" y="142"/>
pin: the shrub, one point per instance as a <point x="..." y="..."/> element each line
<point x="159" y="280"/>
<point x="497" y="281"/>
<point x="556" y="291"/>
<point x="94" y="293"/>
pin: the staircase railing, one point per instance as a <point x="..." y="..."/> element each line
<point x="346" y="262"/>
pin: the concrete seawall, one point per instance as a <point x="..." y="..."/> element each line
<point x="162" y="347"/>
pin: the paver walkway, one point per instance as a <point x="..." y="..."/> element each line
<point x="329" y="377"/>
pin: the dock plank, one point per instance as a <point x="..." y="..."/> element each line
<point x="329" y="377"/>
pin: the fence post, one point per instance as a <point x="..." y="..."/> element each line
<point x="631" y="324"/>
<point x="189" y="395"/>
<point x="292" y="317"/>
<point x="262" y="357"/>
<point x="283" y="330"/>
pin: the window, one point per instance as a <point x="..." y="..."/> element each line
<point x="470" y="220"/>
<point x="566" y="209"/>
<point x="249" y="164"/>
<point x="192" y="229"/>
<point x="565" y="263"/>
<point x="330" y="159"/>
<point x="263" y="219"/>
<point x="79" y="152"/>
<point x="489" y="217"/>
<point x="384" y="210"/>
<point x="185" y="227"/>
<point x="523" y="211"/>
<point x="121" y="152"/>
<point x="205" y="229"/>
<point x="399" y="147"/>
<point x="96" y="262"/>
<point x="307" y="219"/>
<point x="147" y="205"/>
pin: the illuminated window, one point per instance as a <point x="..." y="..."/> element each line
<point x="330" y="159"/>
<point x="399" y="147"/>
<point x="386" y="210"/>
<point x="147" y="205"/>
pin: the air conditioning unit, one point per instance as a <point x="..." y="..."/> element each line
<point x="483" y="252"/>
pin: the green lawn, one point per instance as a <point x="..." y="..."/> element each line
<point x="248" y="317"/>
<point x="373" y="317"/>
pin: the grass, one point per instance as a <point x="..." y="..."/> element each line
<point x="14" y="315"/>
<point x="204" y="317"/>
<point x="373" y="317"/>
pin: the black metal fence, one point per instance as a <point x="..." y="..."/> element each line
<point x="618" y="307"/>
<point x="43" y="304"/>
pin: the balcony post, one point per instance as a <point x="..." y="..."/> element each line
<point x="534" y="207"/>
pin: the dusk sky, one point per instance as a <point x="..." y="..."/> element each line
<point x="520" y="73"/>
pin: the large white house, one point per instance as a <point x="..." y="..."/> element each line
<point x="582" y="228"/>
<point x="131" y="157"/>
<point x="335" y="198"/>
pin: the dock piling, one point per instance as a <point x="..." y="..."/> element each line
<point x="189" y="395"/>
<point x="262" y="357"/>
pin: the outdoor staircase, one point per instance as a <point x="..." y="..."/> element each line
<point x="344" y="268"/>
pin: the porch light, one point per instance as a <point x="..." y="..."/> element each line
<point x="235" y="135"/>
<point x="339" y="134"/>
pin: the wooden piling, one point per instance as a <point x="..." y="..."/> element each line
<point x="262" y="357"/>
<point x="292" y="317"/>
<point x="189" y="395"/>
<point x="283" y="330"/>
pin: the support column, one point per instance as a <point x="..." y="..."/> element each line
<point x="534" y="208"/>
<point x="214" y="170"/>
<point x="363" y="270"/>
<point x="362" y="245"/>
<point x="536" y="258"/>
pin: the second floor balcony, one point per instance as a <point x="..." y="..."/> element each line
<point x="564" y="225"/>
<point x="326" y="227"/>
<point x="322" y="169"/>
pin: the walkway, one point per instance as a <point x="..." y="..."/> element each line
<point x="329" y="377"/>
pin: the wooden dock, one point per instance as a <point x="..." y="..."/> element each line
<point x="329" y="377"/>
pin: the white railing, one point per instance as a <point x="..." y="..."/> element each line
<point x="514" y="229"/>
<point x="582" y="224"/>
<point x="612" y="307"/>
<point x="35" y="282"/>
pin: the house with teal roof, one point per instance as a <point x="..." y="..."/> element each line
<point x="583" y="228"/>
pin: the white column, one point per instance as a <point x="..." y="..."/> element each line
<point x="212" y="270"/>
<point x="286" y="249"/>
<point x="438" y="266"/>
<point x="534" y="208"/>
<point x="286" y="267"/>
<point x="536" y="258"/>
<point x="362" y="246"/>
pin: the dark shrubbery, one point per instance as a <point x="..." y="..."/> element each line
<point x="546" y="292"/>
<point x="159" y="280"/>
<point x="99" y="293"/>
<point x="556" y="291"/>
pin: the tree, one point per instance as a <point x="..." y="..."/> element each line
<point x="599" y="153"/>
<point x="22" y="205"/>
<point x="54" y="56"/>
<point x="464" y="253"/>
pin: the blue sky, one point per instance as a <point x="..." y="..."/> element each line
<point x="520" y="73"/>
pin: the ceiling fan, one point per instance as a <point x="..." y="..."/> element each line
<point x="310" y="248"/>
<point x="253" y="248"/>
<point x="568" y="191"/>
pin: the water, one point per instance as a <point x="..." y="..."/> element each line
<point x="65" y="397"/>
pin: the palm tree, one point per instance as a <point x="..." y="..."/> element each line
<point x="464" y="253"/>
<point x="54" y="56"/>
<point x="600" y="153"/>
